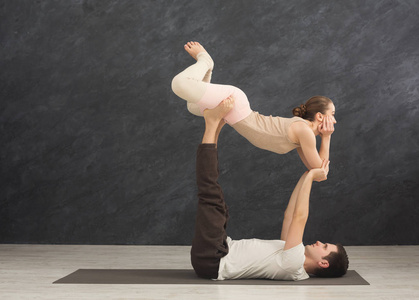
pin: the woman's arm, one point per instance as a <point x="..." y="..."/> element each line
<point x="326" y="129"/>
<point x="308" y="150"/>
<point x="303" y="158"/>
<point x="307" y="140"/>
<point x="325" y="147"/>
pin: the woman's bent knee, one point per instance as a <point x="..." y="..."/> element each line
<point x="188" y="89"/>
<point x="178" y="85"/>
<point x="184" y="88"/>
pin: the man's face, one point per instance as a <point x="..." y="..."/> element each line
<point x="319" y="250"/>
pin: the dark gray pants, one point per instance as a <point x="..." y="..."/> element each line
<point x="210" y="241"/>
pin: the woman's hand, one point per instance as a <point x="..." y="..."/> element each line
<point x="326" y="128"/>
<point x="320" y="174"/>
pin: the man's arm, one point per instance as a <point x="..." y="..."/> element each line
<point x="295" y="233"/>
<point x="290" y="208"/>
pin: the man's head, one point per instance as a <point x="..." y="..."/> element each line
<point x="326" y="260"/>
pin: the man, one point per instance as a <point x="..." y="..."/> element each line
<point x="214" y="255"/>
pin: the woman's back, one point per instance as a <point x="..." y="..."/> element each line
<point x="268" y="132"/>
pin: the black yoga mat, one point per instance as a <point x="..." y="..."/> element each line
<point x="171" y="276"/>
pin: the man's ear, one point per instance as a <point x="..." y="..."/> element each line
<point x="324" y="264"/>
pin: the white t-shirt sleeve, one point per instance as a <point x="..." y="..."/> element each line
<point x="293" y="261"/>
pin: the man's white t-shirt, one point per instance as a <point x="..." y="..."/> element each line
<point x="254" y="258"/>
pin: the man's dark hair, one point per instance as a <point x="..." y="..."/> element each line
<point x="338" y="264"/>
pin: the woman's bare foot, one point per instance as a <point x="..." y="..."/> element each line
<point x="193" y="48"/>
<point x="216" y="114"/>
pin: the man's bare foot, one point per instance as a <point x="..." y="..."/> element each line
<point x="216" y="114"/>
<point x="193" y="48"/>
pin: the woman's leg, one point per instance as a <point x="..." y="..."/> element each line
<point x="194" y="109"/>
<point x="191" y="83"/>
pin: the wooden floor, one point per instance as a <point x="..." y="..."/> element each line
<point x="27" y="272"/>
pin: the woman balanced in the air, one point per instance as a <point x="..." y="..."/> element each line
<point x="276" y="134"/>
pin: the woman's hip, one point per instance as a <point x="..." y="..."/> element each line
<point x="215" y="93"/>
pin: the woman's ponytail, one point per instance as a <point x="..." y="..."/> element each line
<point x="300" y="111"/>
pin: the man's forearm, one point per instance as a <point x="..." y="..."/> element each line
<point x="290" y="208"/>
<point x="302" y="204"/>
<point x="294" y="195"/>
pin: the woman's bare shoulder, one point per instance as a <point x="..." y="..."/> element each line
<point x="299" y="131"/>
<point x="300" y="126"/>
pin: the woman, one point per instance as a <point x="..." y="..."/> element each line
<point x="276" y="134"/>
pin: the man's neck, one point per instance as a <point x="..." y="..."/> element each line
<point x="309" y="265"/>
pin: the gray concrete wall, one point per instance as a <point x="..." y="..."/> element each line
<point x="96" y="149"/>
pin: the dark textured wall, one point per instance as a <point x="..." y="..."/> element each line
<point x="96" y="149"/>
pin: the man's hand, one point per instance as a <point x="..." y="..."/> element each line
<point x="320" y="174"/>
<point x="326" y="128"/>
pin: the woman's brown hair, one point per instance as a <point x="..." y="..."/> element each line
<point x="312" y="107"/>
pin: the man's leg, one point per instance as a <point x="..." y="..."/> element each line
<point x="210" y="240"/>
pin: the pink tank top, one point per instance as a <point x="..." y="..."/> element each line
<point x="268" y="133"/>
